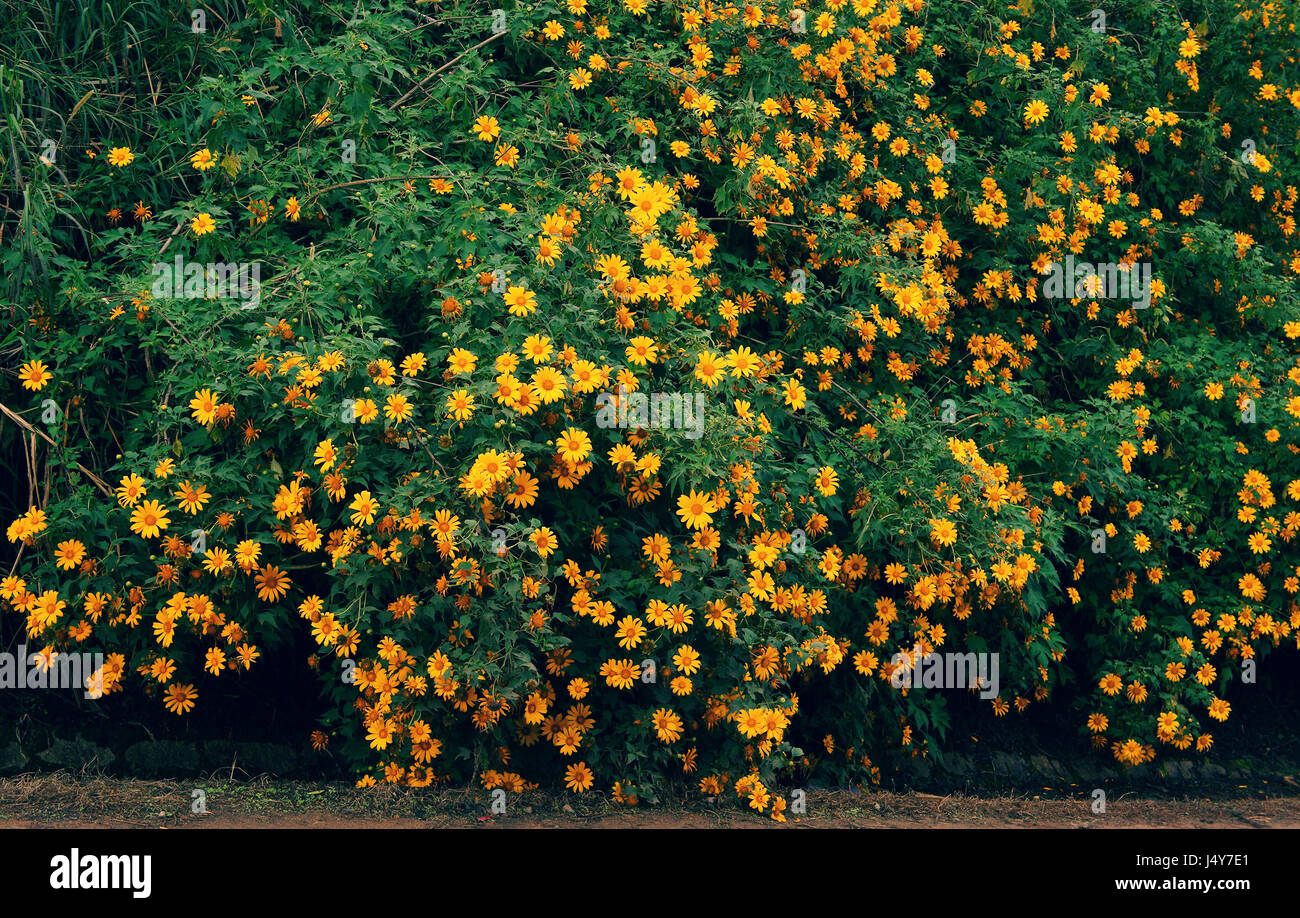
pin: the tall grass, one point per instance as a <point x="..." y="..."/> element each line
<point x="74" y="75"/>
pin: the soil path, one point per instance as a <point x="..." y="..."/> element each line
<point x="64" y="801"/>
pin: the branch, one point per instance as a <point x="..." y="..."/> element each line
<point x="367" y="181"/>
<point x="420" y="85"/>
<point x="179" y="225"/>
<point x="17" y="419"/>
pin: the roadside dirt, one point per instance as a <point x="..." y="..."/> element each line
<point x="65" y="801"/>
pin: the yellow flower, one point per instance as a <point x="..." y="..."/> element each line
<point x="203" y="224"/>
<point x="180" y="698"/>
<point x="34" y="375"/>
<point x="272" y="583"/>
<point x="687" y="660"/>
<point x="507" y="156"/>
<point x="130" y="490"/>
<point x="364" y="507"/>
<point x="398" y="408"/>
<point x="795" y="394"/>
<point x="537" y="348"/>
<point x="696" y="510"/>
<point x="620" y="674"/>
<point x="630" y="632"/>
<point x="943" y="532"/>
<point x="460" y="405"/>
<point x="544" y="541"/>
<point x="642" y="350"/>
<point x="574" y="445"/>
<point x="149" y="519"/>
<point x="578" y="777"/>
<point x="69" y="554"/>
<point x="549" y="385"/>
<point x="709" y="368"/>
<point x="204" y="406"/>
<point x="486" y="128"/>
<point x="667" y="725"/>
<point x="521" y="302"/>
<point x="366" y="410"/>
<point x="120" y="156"/>
<point x="1259" y="543"/>
<point x="192" y="497"/>
<point x="462" y="361"/>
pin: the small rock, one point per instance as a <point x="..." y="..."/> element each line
<point x="162" y="759"/>
<point x="1212" y="772"/>
<point x="958" y="765"/>
<point x="566" y="808"/>
<point x="78" y="755"/>
<point x="12" y="758"/>
<point x="1009" y="766"/>
<point x="1088" y="771"/>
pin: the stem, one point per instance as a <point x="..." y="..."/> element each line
<point x="18" y="419"/>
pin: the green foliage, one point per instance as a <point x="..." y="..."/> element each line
<point x="855" y="221"/>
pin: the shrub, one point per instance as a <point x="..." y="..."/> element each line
<point x="483" y="237"/>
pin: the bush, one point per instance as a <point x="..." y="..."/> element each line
<point x="483" y="238"/>
<point x="162" y="759"/>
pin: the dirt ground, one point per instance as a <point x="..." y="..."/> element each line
<point x="67" y="801"/>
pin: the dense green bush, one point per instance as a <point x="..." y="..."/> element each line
<point x="481" y="235"/>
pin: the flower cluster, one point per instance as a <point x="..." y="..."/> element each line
<point x="835" y="223"/>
